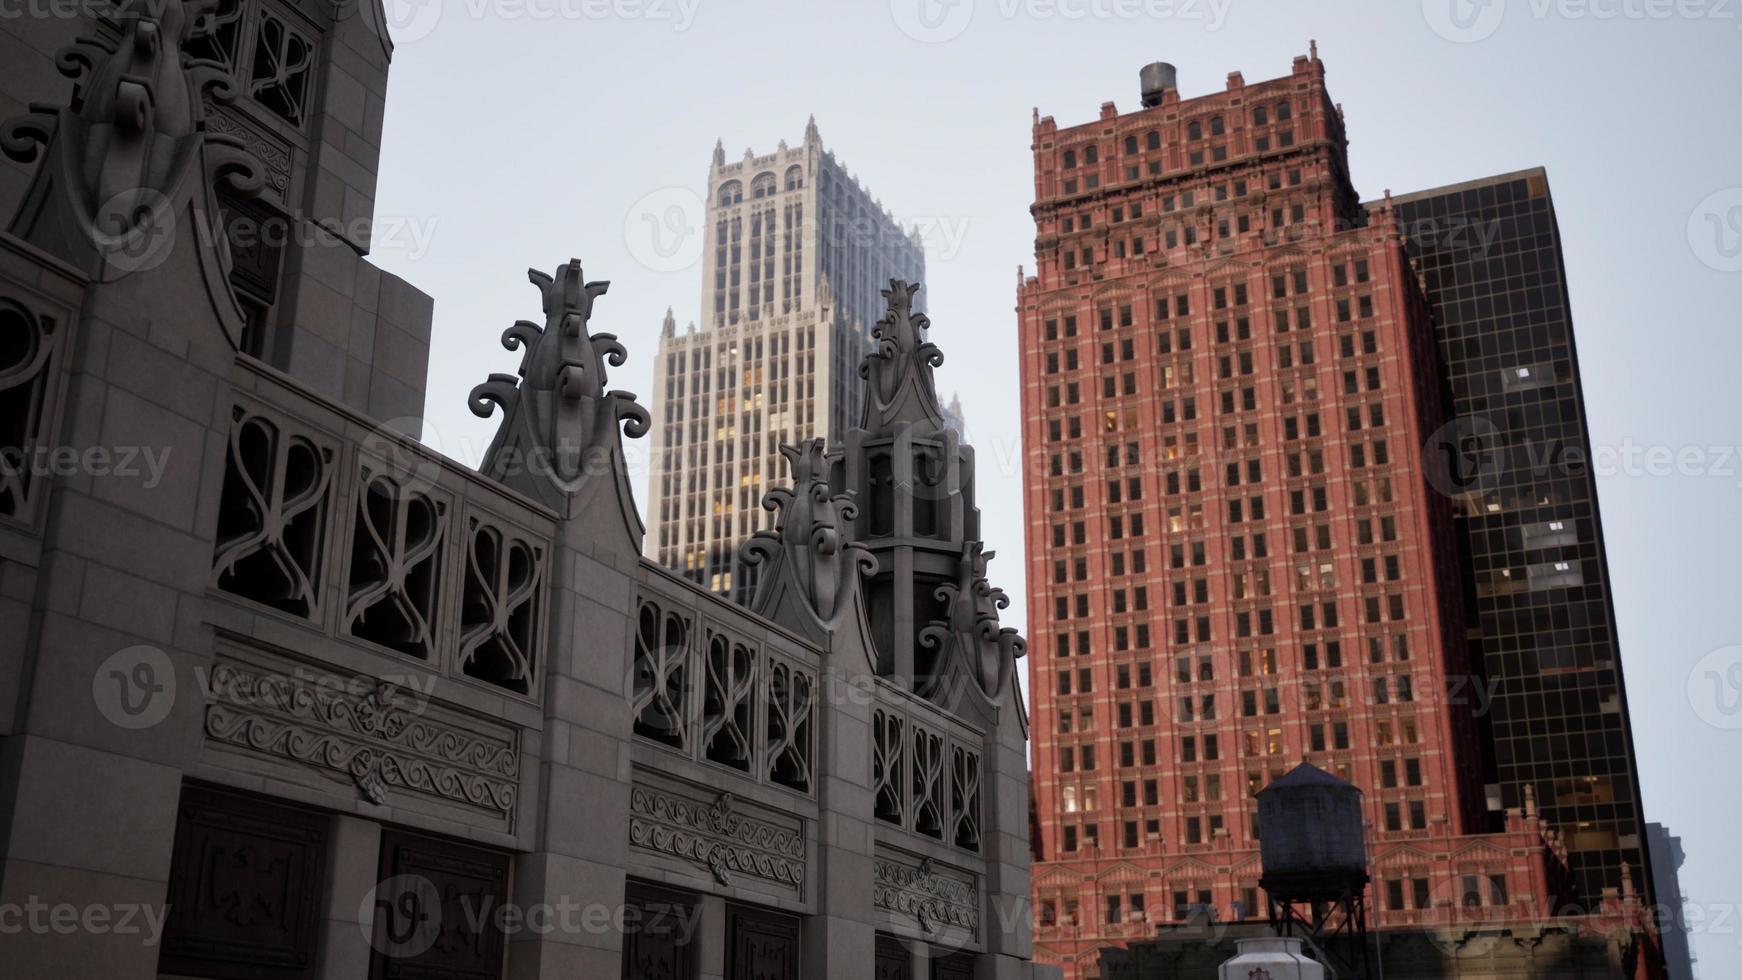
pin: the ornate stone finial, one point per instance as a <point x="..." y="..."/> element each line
<point x="130" y="152"/>
<point x="811" y="567"/>
<point x="899" y="367"/>
<point x="668" y="327"/>
<point x="810" y="130"/>
<point x="719" y="153"/>
<point x="559" y="422"/>
<point x="970" y="646"/>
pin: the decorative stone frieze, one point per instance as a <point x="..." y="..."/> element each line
<point x="718" y="837"/>
<point x="918" y="891"/>
<point x="385" y="741"/>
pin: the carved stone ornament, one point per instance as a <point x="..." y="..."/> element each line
<point x="936" y="900"/>
<point x="130" y="167"/>
<point x="384" y="741"/>
<point x="812" y="566"/>
<point x="899" y="367"/>
<point x="974" y="653"/>
<point x="716" y="838"/>
<point x="560" y="424"/>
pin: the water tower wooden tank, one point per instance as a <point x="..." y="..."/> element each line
<point x="1313" y="844"/>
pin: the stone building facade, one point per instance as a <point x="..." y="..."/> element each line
<point x="1243" y="556"/>
<point x="300" y="698"/>
<point x="795" y="252"/>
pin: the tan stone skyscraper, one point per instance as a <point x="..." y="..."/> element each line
<point x="794" y="257"/>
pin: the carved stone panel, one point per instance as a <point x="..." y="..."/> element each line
<point x="272" y="527"/>
<point x="700" y="686"/>
<point x="271" y="151"/>
<point x="661" y="663"/>
<point x="501" y="599"/>
<point x="925" y="899"/>
<point x="394" y="571"/>
<point x="719" y="837"/>
<point x="435" y="910"/>
<point x="927" y="768"/>
<point x="965" y="797"/>
<point x="660" y="946"/>
<point x="217" y="34"/>
<point x="790" y="711"/>
<point x="926" y="774"/>
<point x="281" y="69"/>
<point x="888" y="769"/>
<point x="728" y="701"/>
<point x="245" y="888"/>
<point x="761" y="944"/>
<point x="391" y="745"/>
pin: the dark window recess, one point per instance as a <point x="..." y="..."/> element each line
<point x="272" y="515"/>
<point x="956" y="966"/>
<point x="217" y="35"/>
<point x="245" y="888"/>
<point x="659" y="947"/>
<point x="504" y="573"/>
<point x="894" y="962"/>
<point x="761" y="944"/>
<point x="279" y="76"/>
<point x="428" y="924"/>
<point x="255" y="232"/>
<point x="30" y="362"/>
<point x="395" y="566"/>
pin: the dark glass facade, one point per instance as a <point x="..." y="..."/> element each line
<point x="1516" y="461"/>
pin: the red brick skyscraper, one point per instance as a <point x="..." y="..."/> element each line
<point x="1236" y="559"/>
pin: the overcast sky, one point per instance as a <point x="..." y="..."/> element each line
<point x="524" y="132"/>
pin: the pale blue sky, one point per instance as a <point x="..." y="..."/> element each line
<point x="523" y="132"/>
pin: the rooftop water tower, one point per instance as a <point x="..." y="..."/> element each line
<point x="1314" y="850"/>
